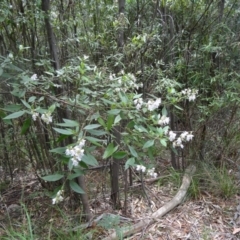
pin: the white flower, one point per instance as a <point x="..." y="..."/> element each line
<point x="140" y="168"/>
<point x="190" y="93"/>
<point x="151" y="172"/>
<point x="58" y="197"/>
<point x="172" y="136"/>
<point x="34" y="77"/>
<point x="10" y="55"/>
<point x="57" y="85"/>
<point x="85" y="57"/>
<point x="183" y="135"/>
<point x="152" y="105"/>
<point x="164" y="120"/>
<point x="35" y="115"/>
<point x="21" y="47"/>
<point x="138" y="102"/>
<point x="189" y="137"/>
<point x="46" y="117"/>
<point x="76" y="152"/>
<point x="192" y="97"/>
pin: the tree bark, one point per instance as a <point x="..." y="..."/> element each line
<point x="50" y="34"/>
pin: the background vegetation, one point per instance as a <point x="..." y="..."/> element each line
<point x="82" y="64"/>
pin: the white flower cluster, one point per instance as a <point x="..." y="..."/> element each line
<point x="34" y="77"/>
<point x="58" y="198"/>
<point x="138" y="103"/>
<point x="125" y="81"/>
<point x="34" y="115"/>
<point x="76" y="152"/>
<point x="184" y="137"/>
<point x="152" y="105"/>
<point x="150" y="172"/>
<point x="190" y="93"/>
<point x="164" y="120"/>
<point x="46" y="117"/>
<point x="141" y="168"/>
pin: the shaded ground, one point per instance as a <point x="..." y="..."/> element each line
<point x="207" y="217"/>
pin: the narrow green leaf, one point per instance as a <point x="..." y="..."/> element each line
<point x="117" y="119"/>
<point x="91" y="126"/>
<point x="148" y="144"/>
<point x="68" y="123"/>
<point x="119" y="155"/>
<point x="52" y="178"/>
<point x="114" y="111"/>
<point x="31" y="99"/>
<point x="26" y="104"/>
<point x="90" y="160"/>
<point x="74" y="175"/>
<point x="26" y="126"/>
<point x="109" y="150"/>
<point x="101" y="121"/>
<point x="64" y="131"/>
<point x="94" y="141"/>
<point x="140" y="128"/>
<point x="163" y="142"/>
<point x="75" y="187"/>
<point x="60" y="150"/>
<point x="110" y="121"/>
<point x="132" y="151"/>
<point x="15" y="115"/>
<point x="164" y="111"/>
<point x="97" y="132"/>
<point x="129" y="163"/>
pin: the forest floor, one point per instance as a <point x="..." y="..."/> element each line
<point x="204" y="217"/>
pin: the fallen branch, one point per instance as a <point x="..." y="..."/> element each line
<point x="176" y="200"/>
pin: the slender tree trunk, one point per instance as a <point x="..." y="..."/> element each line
<point x="56" y="64"/>
<point x="51" y="37"/>
<point x="115" y="166"/>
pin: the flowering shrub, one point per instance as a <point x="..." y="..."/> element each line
<point x="99" y="102"/>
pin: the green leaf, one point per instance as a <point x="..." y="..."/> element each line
<point x="110" y="121"/>
<point x="164" y="111"/>
<point x="74" y="175"/>
<point x="60" y="150"/>
<point x="64" y="131"/>
<point x="75" y="187"/>
<point x="12" y="108"/>
<point x="68" y="123"/>
<point x="90" y="160"/>
<point x="52" y="178"/>
<point x="117" y="119"/>
<point x="15" y="115"/>
<point x="26" y="104"/>
<point x="91" y="126"/>
<point x="32" y="99"/>
<point x="52" y="108"/>
<point x="148" y="144"/>
<point x="163" y="142"/>
<point x="119" y="154"/>
<point x="94" y="141"/>
<point x="26" y="125"/>
<point x="140" y="128"/>
<point x="97" y="132"/>
<point x="101" y="121"/>
<point x="129" y="163"/>
<point x="132" y="151"/>
<point x="109" y="150"/>
<point x="114" y="111"/>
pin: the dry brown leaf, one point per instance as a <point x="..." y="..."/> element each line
<point x="236" y="230"/>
